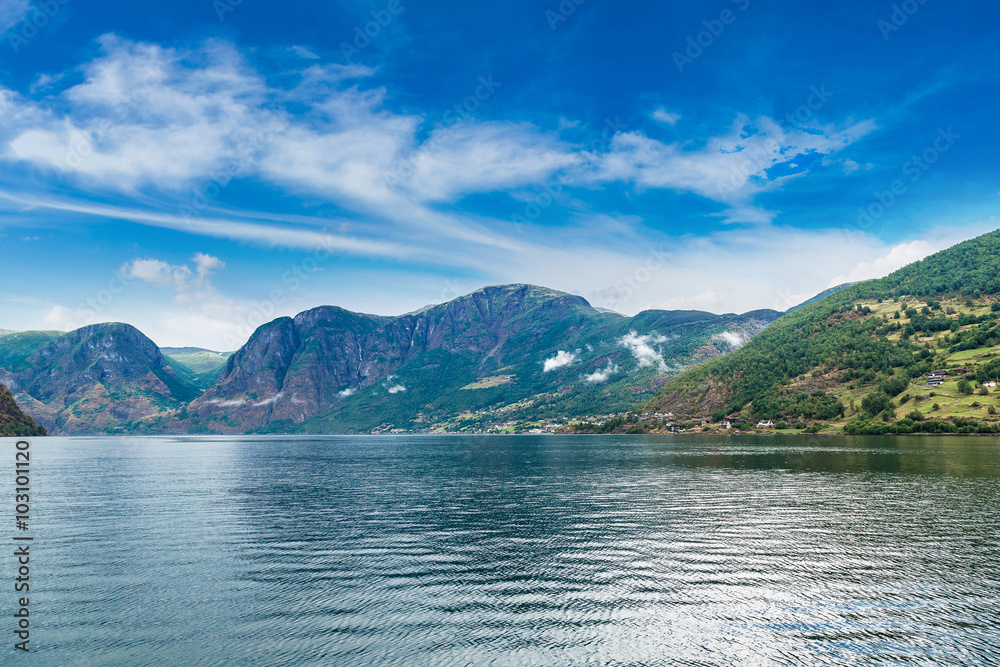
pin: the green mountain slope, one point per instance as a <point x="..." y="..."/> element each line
<point x="859" y="359"/>
<point x="196" y="365"/>
<point x="13" y="422"/>
<point x="15" y="348"/>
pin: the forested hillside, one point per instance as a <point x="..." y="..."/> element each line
<point x="860" y="358"/>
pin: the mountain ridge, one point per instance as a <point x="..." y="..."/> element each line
<point x="328" y="369"/>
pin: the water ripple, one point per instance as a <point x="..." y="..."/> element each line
<point x="516" y="551"/>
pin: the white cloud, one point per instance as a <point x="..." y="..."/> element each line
<point x="198" y="118"/>
<point x="642" y="349"/>
<point x="179" y="116"/>
<point x="731" y="339"/>
<point x="303" y="52"/>
<point x="602" y="375"/>
<point x="267" y="401"/>
<point x="396" y="388"/>
<point x="897" y="257"/>
<point x="236" y="402"/>
<point x="561" y="359"/>
<point x="145" y="114"/>
<point x="482" y="157"/>
<point x="350" y="391"/>
<point x="664" y="116"/>
<point x="61" y="318"/>
<point x="730" y="168"/>
<point x="269" y="235"/>
<point x="181" y="278"/>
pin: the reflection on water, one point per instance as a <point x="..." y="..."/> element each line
<point x="519" y="550"/>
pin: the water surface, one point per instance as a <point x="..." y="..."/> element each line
<point x="512" y="551"/>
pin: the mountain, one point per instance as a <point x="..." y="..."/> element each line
<point x="13" y="422"/>
<point x="103" y="378"/>
<point x="499" y="356"/>
<point x="859" y="359"/>
<point x="197" y="365"/>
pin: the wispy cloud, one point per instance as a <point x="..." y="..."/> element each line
<point x="730" y="169"/>
<point x="642" y="349"/>
<point x="664" y="116"/>
<point x="731" y="339"/>
<point x="181" y="278"/>
<point x="147" y="116"/>
<point x="561" y="360"/>
<point x="601" y="376"/>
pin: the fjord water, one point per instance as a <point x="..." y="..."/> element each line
<point x="448" y="550"/>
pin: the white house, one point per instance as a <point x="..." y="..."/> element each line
<point x="991" y="384"/>
<point x="765" y="424"/>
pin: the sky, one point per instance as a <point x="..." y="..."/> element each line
<point x="199" y="168"/>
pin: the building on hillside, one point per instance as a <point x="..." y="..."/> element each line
<point x="765" y="424"/>
<point x="990" y="385"/>
<point x="728" y="424"/>
<point x="938" y="374"/>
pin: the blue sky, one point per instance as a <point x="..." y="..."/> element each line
<point x="198" y="168"/>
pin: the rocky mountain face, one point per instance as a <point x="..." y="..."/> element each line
<point x="328" y="369"/>
<point x="101" y="378"/>
<point x="13" y="422"/>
